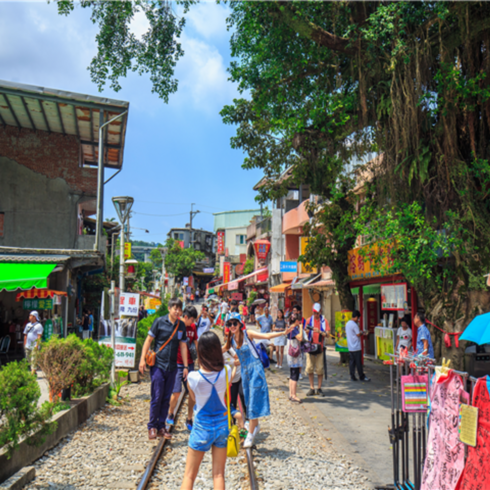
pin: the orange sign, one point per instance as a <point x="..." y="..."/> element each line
<point x="363" y="266"/>
<point x="226" y="272"/>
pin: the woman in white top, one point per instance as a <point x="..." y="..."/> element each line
<point x="210" y="429"/>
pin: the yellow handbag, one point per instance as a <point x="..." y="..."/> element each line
<point x="233" y="445"/>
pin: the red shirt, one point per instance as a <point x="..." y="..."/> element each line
<point x="191" y="332"/>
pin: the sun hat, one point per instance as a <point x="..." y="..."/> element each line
<point x="35" y="314"/>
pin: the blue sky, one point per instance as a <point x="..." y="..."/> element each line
<point x="175" y="154"/>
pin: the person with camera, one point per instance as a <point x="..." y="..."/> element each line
<point x="317" y="329"/>
<point x="169" y="333"/>
<point x="189" y="317"/>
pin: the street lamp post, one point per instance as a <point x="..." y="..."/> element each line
<point x="123" y="205"/>
<point x="163" y="251"/>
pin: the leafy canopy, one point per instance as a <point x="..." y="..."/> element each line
<point x="181" y="262"/>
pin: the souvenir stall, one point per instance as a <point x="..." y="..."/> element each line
<point x="440" y="420"/>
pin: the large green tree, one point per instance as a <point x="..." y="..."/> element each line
<point x="329" y="82"/>
<point x="180" y="262"/>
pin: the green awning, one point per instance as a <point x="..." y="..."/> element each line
<point x="354" y="290"/>
<point x="24" y="276"/>
<point x="211" y="291"/>
<point x="372" y="289"/>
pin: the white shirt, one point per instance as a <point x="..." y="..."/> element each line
<point x="230" y="362"/>
<point x="224" y="307"/>
<point x="202" y="389"/>
<point x="405" y="337"/>
<point x="351" y="331"/>
<point x="203" y="325"/>
<point x="32" y="330"/>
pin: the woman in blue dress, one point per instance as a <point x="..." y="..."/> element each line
<point x="254" y="383"/>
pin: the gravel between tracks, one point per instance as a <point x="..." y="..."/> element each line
<point x="111" y="450"/>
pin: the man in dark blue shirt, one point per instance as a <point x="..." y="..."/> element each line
<point x="165" y="369"/>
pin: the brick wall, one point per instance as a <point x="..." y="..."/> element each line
<point x="50" y="154"/>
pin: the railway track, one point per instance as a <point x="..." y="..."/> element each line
<point x="159" y="454"/>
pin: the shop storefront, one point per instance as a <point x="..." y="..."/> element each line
<point x="382" y="301"/>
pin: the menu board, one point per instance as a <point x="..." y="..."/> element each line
<point x="394" y="296"/>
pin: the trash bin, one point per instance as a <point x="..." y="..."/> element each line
<point x="477" y="360"/>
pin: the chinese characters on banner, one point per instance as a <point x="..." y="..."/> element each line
<point x="37" y="304"/>
<point x="220" y="242"/>
<point x="226" y="272"/>
<point x="127" y="250"/>
<point x="128" y="304"/>
<point x="262" y="248"/>
<point x="305" y="268"/>
<point x="125" y="351"/>
<point x="362" y="265"/>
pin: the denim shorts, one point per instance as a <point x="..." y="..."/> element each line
<point x="179" y="379"/>
<point x="203" y="437"/>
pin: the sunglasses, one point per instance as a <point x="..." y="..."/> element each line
<point x="232" y="323"/>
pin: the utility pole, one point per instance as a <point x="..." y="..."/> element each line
<point x="192" y="213"/>
<point x="112" y="308"/>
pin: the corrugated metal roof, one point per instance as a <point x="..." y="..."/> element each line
<point x="57" y="111"/>
<point x="33" y="259"/>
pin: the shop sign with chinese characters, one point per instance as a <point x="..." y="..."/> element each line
<point x="394" y="296"/>
<point x="220" y="247"/>
<point x="125" y="350"/>
<point x="305" y="268"/>
<point x="37" y="304"/>
<point x="226" y="272"/>
<point x="129" y="304"/>
<point x="127" y="250"/>
<point x="361" y="264"/>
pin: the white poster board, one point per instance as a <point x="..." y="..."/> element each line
<point x="129" y="304"/>
<point x="393" y="296"/>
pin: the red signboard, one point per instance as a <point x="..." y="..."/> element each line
<point x="263" y="276"/>
<point x="372" y="315"/>
<point x="237" y="296"/>
<point x="221" y="242"/>
<point x="226" y="272"/>
<point x="262" y="248"/>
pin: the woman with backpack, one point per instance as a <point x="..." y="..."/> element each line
<point x="294" y="355"/>
<point x="254" y="382"/>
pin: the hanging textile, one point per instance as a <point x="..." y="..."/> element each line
<point x="445" y="453"/>
<point x="476" y="474"/>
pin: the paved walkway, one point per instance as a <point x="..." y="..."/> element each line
<point x="360" y="412"/>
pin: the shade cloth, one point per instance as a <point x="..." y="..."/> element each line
<point x="39" y="293"/>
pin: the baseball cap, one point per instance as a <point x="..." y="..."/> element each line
<point x="317" y="307"/>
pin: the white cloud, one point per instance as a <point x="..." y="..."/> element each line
<point x="208" y="19"/>
<point x="139" y="24"/>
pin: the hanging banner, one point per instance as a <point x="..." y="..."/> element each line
<point x="394" y="296"/>
<point x="262" y="248"/>
<point x="288" y="266"/>
<point x="220" y="247"/>
<point x="232" y="286"/>
<point x="37" y="304"/>
<point x="341" y="318"/>
<point x="127" y="250"/>
<point x="414" y="393"/>
<point x="185" y="281"/>
<point x="226" y="272"/>
<point x="129" y="304"/>
<point x="468" y="424"/>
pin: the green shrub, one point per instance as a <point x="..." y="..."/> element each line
<point x="144" y="326"/>
<point x="95" y="367"/>
<point x="252" y="297"/>
<point x="19" y="413"/>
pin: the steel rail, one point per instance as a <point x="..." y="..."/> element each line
<point x="150" y="468"/>
<point x="251" y="470"/>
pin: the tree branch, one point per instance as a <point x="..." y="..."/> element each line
<point x="312" y="31"/>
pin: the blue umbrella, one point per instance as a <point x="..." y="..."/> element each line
<point x="478" y="330"/>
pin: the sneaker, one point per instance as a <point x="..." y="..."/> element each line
<point x="249" y="440"/>
<point x="366" y="379"/>
<point x="247" y="425"/>
<point x="188" y="424"/>
<point x="301" y="376"/>
<point x="310" y="392"/>
<point x="170" y="419"/>
<point x="319" y="392"/>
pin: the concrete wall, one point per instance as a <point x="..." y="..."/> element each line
<point x="230" y="240"/>
<point x="41" y="185"/>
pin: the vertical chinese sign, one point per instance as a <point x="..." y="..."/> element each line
<point x="220" y="247"/>
<point x="126" y="329"/>
<point x="127" y="250"/>
<point x="226" y="272"/>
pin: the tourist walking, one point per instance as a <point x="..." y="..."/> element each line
<point x="254" y="382"/>
<point x="279" y="326"/>
<point x="32" y="338"/>
<point x="424" y="341"/>
<point x="231" y="359"/>
<point x="317" y="328"/>
<point x="203" y="323"/>
<point x="210" y="430"/>
<point x="296" y="310"/>
<point x="169" y="334"/>
<point x="294" y="355"/>
<point x="264" y="322"/>
<point x="188" y="317"/>
<point x="354" y="335"/>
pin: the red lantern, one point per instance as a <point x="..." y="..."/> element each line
<point x="131" y="269"/>
<point x="262" y="248"/>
